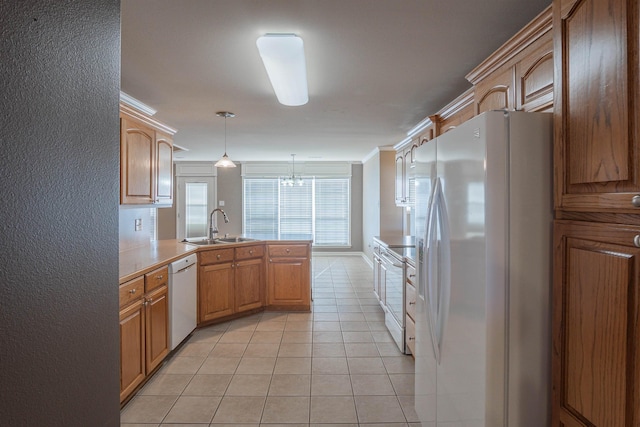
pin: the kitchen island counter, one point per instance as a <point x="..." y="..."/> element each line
<point x="135" y="262"/>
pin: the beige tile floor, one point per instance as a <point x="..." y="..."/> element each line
<point x="335" y="365"/>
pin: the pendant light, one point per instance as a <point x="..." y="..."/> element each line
<point x="289" y="181"/>
<point x="225" y="161"/>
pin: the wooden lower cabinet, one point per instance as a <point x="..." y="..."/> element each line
<point x="215" y="291"/>
<point x="289" y="277"/>
<point x="596" y="325"/>
<point x="132" y="348"/>
<point x="157" y="327"/>
<point x="249" y="284"/>
<point x="144" y="328"/>
<point x="230" y="281"/>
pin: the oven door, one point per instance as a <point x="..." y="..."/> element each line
<point x="394" y="297"/>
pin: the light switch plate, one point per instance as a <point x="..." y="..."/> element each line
<point x="138" y="224"/>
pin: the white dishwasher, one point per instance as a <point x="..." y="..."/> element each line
<point x="183" y="308"/>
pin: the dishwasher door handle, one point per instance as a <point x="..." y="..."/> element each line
<point x="184" y="269"/>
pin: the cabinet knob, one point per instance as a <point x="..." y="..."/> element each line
<point x="288" y="250"/>
<point x="159" y="277"/>
<point x="251" y="252"/>
<point x="218" y="256"/>
<point x="635" y="201"/>
<point x="133" y="291"/>
<point x="636" y="241"/>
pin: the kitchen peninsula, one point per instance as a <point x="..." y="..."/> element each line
<point x="234" y="280"/>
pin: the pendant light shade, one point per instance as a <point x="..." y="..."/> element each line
<point x="225" y="161"/>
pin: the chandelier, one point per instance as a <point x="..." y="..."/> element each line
<point x="290" y="181"/>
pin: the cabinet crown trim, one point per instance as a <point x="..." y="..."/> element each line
<point x="523" y="38"/>
<point x="143" y="118"/>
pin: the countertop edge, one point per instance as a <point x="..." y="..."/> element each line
<point x="162" y="252"/>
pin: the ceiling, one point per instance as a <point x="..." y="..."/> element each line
<point x="375" y="69"/>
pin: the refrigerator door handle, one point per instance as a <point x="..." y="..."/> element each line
<point x="432" y="275"/>
<point x="444" y="268"/>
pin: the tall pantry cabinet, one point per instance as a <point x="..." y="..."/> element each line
<point x="596" y="284"/>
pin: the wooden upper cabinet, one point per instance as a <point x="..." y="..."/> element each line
<point x="534" y="76"/>
<point x="400" y="188"/>
<point x="597" y="156"/>
<point x="164" y="169"/>
<point x="496" y="92"/>
<point x="455" y="113"/>
<point x="596" y="376"/>
<point x="137" y="152"/>
<point x="146" y="160"/>
<point x="519" y="75"/>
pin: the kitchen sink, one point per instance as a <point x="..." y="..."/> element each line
<point x="203" y="242"/>
<point x="219" y="241"/>
<point x="234" y="239"/>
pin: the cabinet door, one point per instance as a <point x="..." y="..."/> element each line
<point x="597" y="152"/>
<point x="409" y="181"/>
<point x="249" y="284"/>
<point x="288" y="284"/>
<point x="495" y="92"/>
<point x="137" y="152"/>
<point x="157" y="327"/>
<point x="534" y="76"/>
<point x="400" y="200"/>
<point x="595" y="325"/>
<point x="132" y="348"/>
<point x="215" y="283"/>
<point x="164" y="169"/>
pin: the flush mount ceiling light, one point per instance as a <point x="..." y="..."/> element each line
<point x="289" y="181"/>
<point x="283" y="58"/>
<point x="225" y="161"/>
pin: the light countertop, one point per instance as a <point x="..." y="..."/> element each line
<point x="141" y="260"/>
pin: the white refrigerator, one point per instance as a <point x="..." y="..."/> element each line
<point x="483" y="222"/>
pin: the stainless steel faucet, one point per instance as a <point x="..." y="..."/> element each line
<point x="213" y="223"/>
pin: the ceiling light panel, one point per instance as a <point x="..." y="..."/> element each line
<point x="283" y="58"/>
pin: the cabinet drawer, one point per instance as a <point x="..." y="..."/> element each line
<point x="131" y="291"/>
<point x="216" y="256"/>
<point x="248" y="252"/>
<point x="410" y="299"/>
<point x="410" y="334"/>
<point x="288" y="250"/>
<point x="411" y="275"/>
<point x="156" y="278"/>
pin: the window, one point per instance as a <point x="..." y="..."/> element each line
<point x="318" y="210"/>
<point x="195" y="199"/>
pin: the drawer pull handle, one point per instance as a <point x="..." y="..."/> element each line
<point x="635" y="201"/>
<point x="133" y="291"/>
<point x="412" y="275"/>
<point x="412" y="302"/>
<point x="636" y="241"/>
<point x="411" y="338"/>
<point x="159" y="277"/>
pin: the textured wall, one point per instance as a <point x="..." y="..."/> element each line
<point x="60" y="76"/>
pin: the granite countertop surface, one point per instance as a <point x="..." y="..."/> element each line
<point x="137" y="261"/>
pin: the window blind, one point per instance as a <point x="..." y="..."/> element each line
<point x="318" y="210"/>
